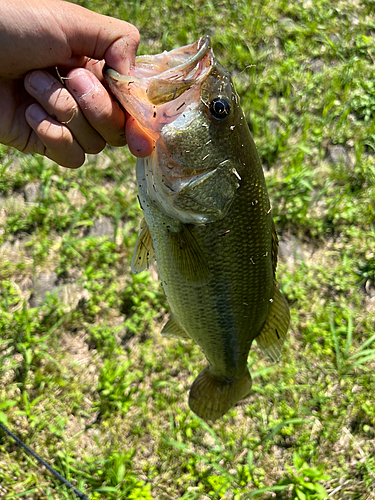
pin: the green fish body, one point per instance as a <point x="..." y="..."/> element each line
<point x="208" y="218"/>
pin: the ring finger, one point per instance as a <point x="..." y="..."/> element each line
<point x="59" y="103"/>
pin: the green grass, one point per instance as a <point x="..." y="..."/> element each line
<point x="85" y="378"/>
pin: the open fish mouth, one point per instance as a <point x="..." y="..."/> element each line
<point x="160" y="87"/>
<point x="171" y="96"/>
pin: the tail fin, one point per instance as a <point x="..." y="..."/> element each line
<point x="211" y="397"/>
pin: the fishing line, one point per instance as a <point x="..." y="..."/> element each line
<point x="41" y="461"/>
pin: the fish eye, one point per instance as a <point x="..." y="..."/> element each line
<point x="219" y="108"/>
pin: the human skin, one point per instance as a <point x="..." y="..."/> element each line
<point x="63" y="118"/>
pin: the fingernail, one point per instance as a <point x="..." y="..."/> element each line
<point x="81" y="82"/>
<point x="36" y="113"/>
<point x="40" y="81"/>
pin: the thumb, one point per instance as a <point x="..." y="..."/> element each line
<point x="101" y="37"/>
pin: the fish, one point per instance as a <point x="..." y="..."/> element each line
<point x="207" y="218"/>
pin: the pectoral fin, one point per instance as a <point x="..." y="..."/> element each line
<point x="173" y="329"/>
<point x="272" y="337"/>
<point x="187" y="257"/>
<point x="144" y="254"/>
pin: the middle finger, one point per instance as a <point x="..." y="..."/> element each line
<point x="59" y="103"/>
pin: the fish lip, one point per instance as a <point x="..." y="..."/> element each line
<point x="154" y="76"/>
<point x="160" y="87"/>
<point x="203" y="46"/>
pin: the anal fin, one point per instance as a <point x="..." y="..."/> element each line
<point x="173" y="329"/>
<point x="144" y="254"/>
<point x="272" y="337"/>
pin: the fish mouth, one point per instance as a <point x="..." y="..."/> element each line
<point x="160" y="87"/>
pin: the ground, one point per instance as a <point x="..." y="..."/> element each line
<point x="87" y="380"/>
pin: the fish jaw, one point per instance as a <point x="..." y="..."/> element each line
<point x="160" y="88"/>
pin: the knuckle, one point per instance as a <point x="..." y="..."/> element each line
<point x="57" y="143"/>
<point x="33" y="144"/>
<point x="55" y="134"/>
<point x="63" y="106"/>
<point x="102" y="113"/>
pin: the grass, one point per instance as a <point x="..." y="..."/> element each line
<point x="85" y="378"/>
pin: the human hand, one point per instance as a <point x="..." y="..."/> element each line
<point x="39" y="113"/>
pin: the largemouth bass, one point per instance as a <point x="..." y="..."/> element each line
<point x="207" y="218"/>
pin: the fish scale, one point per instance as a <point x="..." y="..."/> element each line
<point x="234" y="278"/>
<point x="208" y="220"/>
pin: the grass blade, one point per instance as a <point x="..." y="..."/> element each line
<point x="276" y="428"/>
<point x="348" y="337"/>
<point x="265" y="490"/>
<point x="336" y="344"/>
